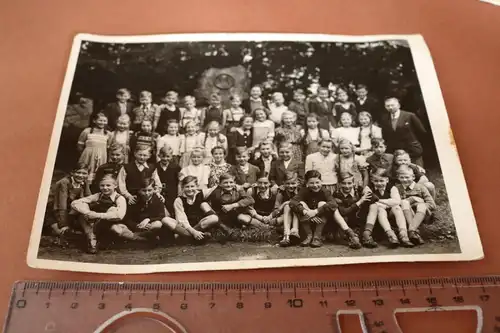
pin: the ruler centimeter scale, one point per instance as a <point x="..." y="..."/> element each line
<point x="94" y="307"/>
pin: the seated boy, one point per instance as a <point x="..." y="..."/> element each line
<point x="192" y="212"/>
<point x="231" y="204"/>
<point x="116" y="156"/>
<point x="284" y="214"/>
<point x="69" y="188"/>
<point x="353" y="203"/>
<point x="147" y="217"/>
<point x="132" y="175"/>
<point x="245" y="174"/>
<point x="266" y="158"/>
<point x="401" y="157"/>
<point x="385" y="204"/>
<point x="106" y="208"/>
<point x="314" y="206"/>
<point x="285" y="163"/>
<point x="264" y="200"/>
<point x="417" y="203"/>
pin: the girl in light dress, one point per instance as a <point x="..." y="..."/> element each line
<point x="212" y="138"/>
<point x="231" y="117"/>
<point x="367" y="131"/>
<point x="196" y="168"/>
<point x="346" y="131"/>
<point x="312" y="135"/>
<point x="172" y="139"/>
<point x="93" y="144"/>
<point x="189" y="141"/>
<point x="263" y="129"/>
<point x="122" y="135"/>
<point x="190" y="113"/>
<point x="277" y="108"/>
<point x="289" y="132"/>
<point x="218" y="166"/>
<point x="348" y="162"/>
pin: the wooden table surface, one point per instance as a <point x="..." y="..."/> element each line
<point x="36" y="36"/>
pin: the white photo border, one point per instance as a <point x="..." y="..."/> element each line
<point x="463" y="216"/>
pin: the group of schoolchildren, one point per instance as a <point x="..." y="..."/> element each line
<point x="149" y="171"/>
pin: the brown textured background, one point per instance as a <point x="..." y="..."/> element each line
<point x="35" y="41"/>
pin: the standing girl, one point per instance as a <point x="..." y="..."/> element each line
<point x="189" y="140"/>
<point x="241" y="137"/>
<point x="300" y="106"/>
<point x="93" y="143"/>
<point x="348" y="162"/>
<point x="172" y="139"/>
<point x="263" y="128"/>
<point x="343" y="104"/>
<point x="212" y="138"/>
<point x="169" y="111"/>
<point x="277" y="108"/>
<point x="213" y="112"/>
<point x="231" y="117"/>
<point x="218" y="165"/>
<point x="122" y="135"/>
<point x="255" y="101"/>
<point x="145" y="137"/>
<point x="346" y="131"/>
<point x="190" y="113"/>
<point x="196" y="168"/>
<point x="289" y="132"/>
<point x="312" y="135"/>
<point x="323" y="162"/>
<point x="367" y="131"/>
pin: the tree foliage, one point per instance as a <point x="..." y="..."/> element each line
<point x="386" y="67"/>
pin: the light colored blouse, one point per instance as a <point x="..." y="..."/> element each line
<point x="323" y="164"/>
<point x="349" y="133"/>
<point x="262" y="130"/>
<point x="174" y="141"/>
<point x="366" y="134"/>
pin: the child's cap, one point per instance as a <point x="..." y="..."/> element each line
<point x="345" y="175"/>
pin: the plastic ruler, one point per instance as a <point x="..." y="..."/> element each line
<point x="60" y="307"/>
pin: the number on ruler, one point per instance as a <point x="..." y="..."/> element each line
<point x="458" y="299"/>
<point x="323" y="303"/>
<point x="184" y="306"/>
<point x="212" y="305"/>
<point x="74" y="305"/>
<point x="484" y="298"/>
<point x="128" y="307"/>
<point x="156" y="307"/>
<point x="268" y="305"/>
<point x="239" y="305"/>
<point x="432" y="301"/>
<point x="295" y="303"/>
<point x="101" y="306"/>
<point x="378" y="302"/>
<point x="350" y="302"/>
<point x="405" y="301"/>
<point x="21" y="304"/>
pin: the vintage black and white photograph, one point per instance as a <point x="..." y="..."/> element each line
<point x="237" y="151"/>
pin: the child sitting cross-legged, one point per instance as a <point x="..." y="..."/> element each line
<point x="385" y="203"/>
<point x="417" y="203"/>
<point x="106" y="208"/>
<point x="264" y="200"/>
<point x="147" y="217"/>
<point x="193" y="212"/>
<point x="283" y="212"/>
<point x="231" y="204"/>
<point x="313" y="206"/>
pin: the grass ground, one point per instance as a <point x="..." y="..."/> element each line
<point x="254" y="244"/>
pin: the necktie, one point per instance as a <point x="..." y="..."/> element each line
<point x="394" y="122"/>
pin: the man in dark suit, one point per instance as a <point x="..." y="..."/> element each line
<point x="366" y="102"/>
<point x="402" y="130"/>
<point x="122" y="106"/>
